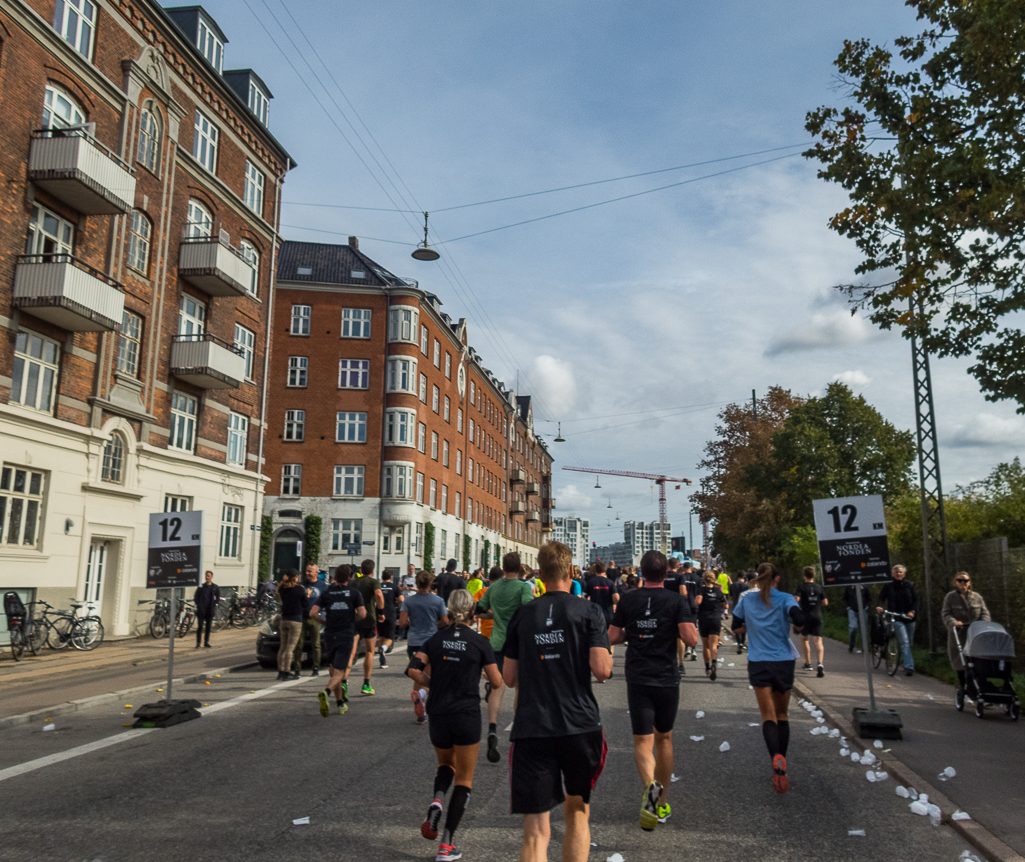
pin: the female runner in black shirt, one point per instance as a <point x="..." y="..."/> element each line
<point x="450" y="665"/>
<point x="711" y="603"/>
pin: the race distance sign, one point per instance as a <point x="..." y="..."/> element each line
<point x="175" y="549"/>
<point x="852" y="540"/>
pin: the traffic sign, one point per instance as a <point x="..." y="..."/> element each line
<point x="852" y="540"/>
<point x="175" y="549"/>
<point x="353" y="548"/>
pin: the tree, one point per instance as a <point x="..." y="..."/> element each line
<point x="467" y="559"/>
<point x="942" y="209"/>
<point x="313" y="525"/>
<point x="429" y="546"/>
<point x="266" y="543"/>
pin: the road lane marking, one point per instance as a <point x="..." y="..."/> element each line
<point x="89" y="747"/>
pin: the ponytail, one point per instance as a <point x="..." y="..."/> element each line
<point x="763" y="582"/>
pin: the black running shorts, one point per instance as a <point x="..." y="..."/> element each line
<point x="386" y="630"/>
<point x="652" y="707"/>
<point x="708" y="626"/>
<point x="338" y="650"/>
<point x="457" y="728"/>
<point x="365" y="631"/>
<point x="812" y="627"/>
<point x="539" y="769"/>
<point x="777" y="675"/>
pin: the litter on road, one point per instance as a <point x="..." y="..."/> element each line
<point x="860" y="832"/>
<point x="949" y="772"/>
<point x="615" y="857"/>
<point x="960" y="815"/>
<point x="697" y="738"/>
<point x="699" y="714"/>
<point x="49" y="727"/>
<point x="301" y="821"/>
<point x="724" y="747"/>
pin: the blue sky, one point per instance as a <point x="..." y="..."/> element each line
<point x="685" y="298"/>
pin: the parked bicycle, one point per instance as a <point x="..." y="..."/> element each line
<point x="63" y="628"/>
<point x="186" y="616"/>
<point x="16" y="614"/>
<point x="158" y="623"/>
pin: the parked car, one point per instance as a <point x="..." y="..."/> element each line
<point x="268" y="642"/>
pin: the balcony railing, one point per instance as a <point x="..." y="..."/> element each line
<point x="550" y="502"/>
<point x="68" y="293"/>
<point x="207" y="362"/>
<point x="214" y="266"/>
<point x="72" y="165"/>
<point x="533" y="489"/>
<point x="517" y="508"/>
<point x="517" y="477"/>
<point x="533" y="514"/>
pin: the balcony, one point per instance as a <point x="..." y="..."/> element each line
<point x="68" y="293"/>
<point x="534" y="515"/>
<point x="517" y="477"/>
<point x="207" y="362"/>
<point x="214" y="266"/>
<point x="533" y="489"/>
<point x="517" y="508"/>
<point x="550" y="503"/>
<point x="72" y="165"/>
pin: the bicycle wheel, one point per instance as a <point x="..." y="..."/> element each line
<point x="158" y="626"/>
<point x="58" y="636"/>
<point x="36" y="637"/>
<point x="184" y="625"/>
<point x="17" y="644"/>
<point x="87" y="634"/>
<point x="892" y="655"/>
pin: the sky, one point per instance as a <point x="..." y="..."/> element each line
<point x="635" y="322"/>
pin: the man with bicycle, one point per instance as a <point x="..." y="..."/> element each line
<point x="206" y="598"/>
<point x="899" y="597"/>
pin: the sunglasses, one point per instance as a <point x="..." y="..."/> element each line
<point x="963" y="581"/>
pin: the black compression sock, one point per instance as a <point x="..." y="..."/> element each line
<point x="456" y="807"/>
<point x="443" y="781"/>
<point x="784" y="736"/>
<point x="492" y="728"/>
<point x="770" y="730"/>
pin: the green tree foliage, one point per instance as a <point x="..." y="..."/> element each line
<point x="429" y="546"/>
<point x="313" y="526"/>
<point x="487" y="552"/>
<point x="467" y="559"/>
<point x="932" y="155"/>
<point x="266" y="544"/>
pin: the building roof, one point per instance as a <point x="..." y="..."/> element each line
<point x="333" y="264"/>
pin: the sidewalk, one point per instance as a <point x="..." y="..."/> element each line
<point x="988" y="754"/>
<point x="52" y="677"/>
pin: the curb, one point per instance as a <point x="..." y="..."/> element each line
<point x="84" y="703"/>
<point x="978" y="836"/>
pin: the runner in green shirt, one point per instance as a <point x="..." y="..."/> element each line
<point x="499" y="603"/>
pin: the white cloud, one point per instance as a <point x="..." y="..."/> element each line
<point x="554" y="383"/>
<point x="855" y="379"/>
<point x="570" y="497"/>
<point x="831" y="330"/>
<point x="988" y="430"/>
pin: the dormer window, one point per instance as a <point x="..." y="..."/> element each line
<point x="210" y="44"/>
<point x="259" y="103"/>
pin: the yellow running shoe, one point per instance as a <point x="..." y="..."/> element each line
<point x="649" y="806"/>
<point x="325" y="710"/>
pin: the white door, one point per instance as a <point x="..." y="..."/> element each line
<point x="94" y="573"/>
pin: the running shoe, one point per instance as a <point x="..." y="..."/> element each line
<point x="384" y="661"/>
<point x="649" y="806"/>
<point x="664" y="813"/>
<point x="780" y="783"/>
<point x="447" y="852"/>
<point x="422" y="719"/>
<point x="343" y="707"/>
<point x="325" y="708"/>
<point x="429" y="828"/>
<point x="711" y="673"/>
<point x="345" y="691"/>
<point x="493" y="753"/>
<point x="820" y="672"/>
<point x="418" y="705"/>
<point x="740" y="649"/>
<point x="367" y="689"/>
<point x="806" y="666"/>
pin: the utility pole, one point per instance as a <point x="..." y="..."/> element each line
<point x="754" y="405"/>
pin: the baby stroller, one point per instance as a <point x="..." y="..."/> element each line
<point x="987" y="655"/>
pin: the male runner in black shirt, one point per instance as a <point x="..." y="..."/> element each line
<point x="812" y="599"/>
<point x="737" y="589"/>
<point x="386" y="628"/>
<point x="692" y="581"/>
<point x="342" y="606"/>
<point x="602" y="592"/>
<point x="552" y="646"/>
<point x="448" y="581"/>
<point x="651" y="620"/>
<point x="675" y="584"/>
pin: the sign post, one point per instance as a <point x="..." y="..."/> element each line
<point x="853" y="550"/>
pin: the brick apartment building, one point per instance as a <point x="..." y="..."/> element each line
<point x="137" y="246"/>
<point x="382" y="420"/>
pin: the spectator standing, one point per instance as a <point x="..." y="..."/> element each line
<point x="206" y="598"/>
<point x="293" y="606"/>
<point x="850" y="599"/>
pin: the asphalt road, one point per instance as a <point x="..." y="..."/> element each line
<point x="227" y="787"/>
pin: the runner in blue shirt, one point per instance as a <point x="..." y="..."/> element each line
<point x="765" y="615"/>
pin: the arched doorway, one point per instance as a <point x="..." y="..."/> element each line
<point x="286" y="552"/>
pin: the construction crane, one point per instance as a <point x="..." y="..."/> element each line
<point x="654" y="477"/>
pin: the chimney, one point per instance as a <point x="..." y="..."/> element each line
<point x="353" y="242"/>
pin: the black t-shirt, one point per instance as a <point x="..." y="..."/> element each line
<point x="551" y="638"/>
<point x="673" y="582"/>
<point x="693" y="583"/>
<point x="456" y="655"/>
<point x="293" y="603"/>
<point x="390" y="596"/>
<point x="447" y="582"/>
<point x="600" y="590"/>
<point x="711" y="602"/>
<point x="651" y="618"/>
<point x="809" y="597"/>
<point x="339" y="604"/>
<point x="736" y="589"/>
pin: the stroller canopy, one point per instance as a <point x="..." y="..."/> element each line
<point x="988" y="640"/>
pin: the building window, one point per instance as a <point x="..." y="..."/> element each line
<point x="398" y="480"/>
<point x="112" y="469"/>
<point x="402" y="323"/>
<point x="183" y="422"/>
<point x="21" y="504"/>
<point x="298" y="367"/>
<point x="351" y="427"/>
<point x="448" y="365"/>
<point x="259" y="103"/>
<point x="139" y="231"/>
<point x="444" y="533"/>
<point x="175" y="503"/>
<point x="444" y="508"/>
<point x="356" y="322"/>
<point x="459" y="420"/>
<point x="434" y="445"/>
<point x="419" y="487"/>
<point x="459" y="462"/>
<point x="457" y="511"/>
<point x="421" y="438"/>
<point x="469" y="470"/>
<point x="346" y="531"/>
<point x="75" y="20"/>
<point x="424" y="338"/>
<point x="432" y="497"/>
<point x="231" y="531"/>
<point x="419" y="539"/>
<point x="199" y="221"/>
<point x="401" y="375"/>
<point x="204" y="143"/>
<point x="398" y="426"/>
<point x="48" y="233"/>
<point x="291" y="480"/>
<point x="129" y="342"/>
<point x="435" y="399"/>
<point x="423" y="388"/>
<point x="245" y="343"/>
<point x="253" y="194"/>
<point x="191" y="316"/>
<point x="353" y="373"/>
<point x="349" y="481"/>
<point x="251" y="256"/>
<point x="238" y="436"/>
<point x="471" y="431"/>
<point x="437" y="353"/>
<point x="295" y="425"/>
<point x="34" y="381"/>
<point x="150" y="136"/>
<point x="210" y="45"/>
<point x="301" y="315"/>
<point x="472" y="391"/>
<point x="444" y="453"/>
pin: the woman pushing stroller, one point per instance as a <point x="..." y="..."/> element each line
<point x="961" y="608"/>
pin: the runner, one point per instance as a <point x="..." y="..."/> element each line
<point x="692" y="581"/>
<point x="812" y="599"/>
<point x="448" y="581"/>
<point x="675" y="584"/>
<point x="476" y="583"/>
<point x="765" y="614"/>
<point x="737" y="589"/>
<point x="386" y="628"/>
<point x="450" y="664"/>
<point x="340" y="606"/>
<point x="370" y="588"/>
<point x="553" y="646"/>
<point x="602" y="591"/>
<point x="498" y="604"/>
<point x="710" y="602"/>
<point x="650" y="620"/>
<point x="424" y="613"/>
<point x="407" y="586"/>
